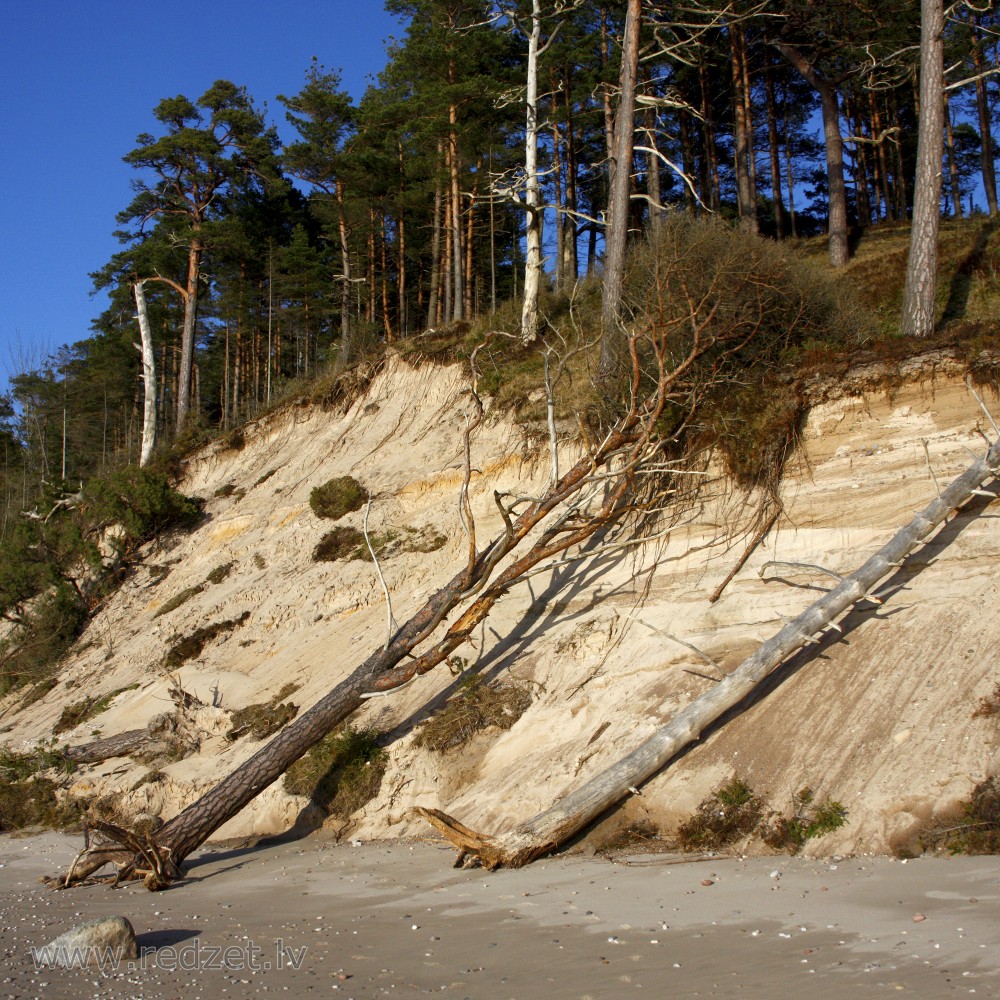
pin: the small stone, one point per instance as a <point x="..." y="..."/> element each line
<point x="707" y="881"/>
<point x="918" y="917"/>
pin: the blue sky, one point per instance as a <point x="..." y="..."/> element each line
<point x="78" y="82"/>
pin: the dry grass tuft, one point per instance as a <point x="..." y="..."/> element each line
<point x="262" y="720"/>
<point x="477" y="707"/>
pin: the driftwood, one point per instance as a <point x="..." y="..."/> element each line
<point x="553" y="827"/>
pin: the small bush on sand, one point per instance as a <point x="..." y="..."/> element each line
<point x="29" y="798"/>
<point x="729" y="814"/>
<point x="89" y="708"/>
<point x="810" y="818"/>
<point x="475" y="708"/>
<point x="976" y="827"/>
<point x="341" y="543"/>
<point x="178" y="599"/>
<point x="184" y="648"/>
<point x="337" y="497"/>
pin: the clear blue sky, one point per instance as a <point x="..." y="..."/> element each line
<point x="78" y="82"/>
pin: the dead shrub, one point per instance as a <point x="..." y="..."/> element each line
<point x="477" y="707"/>
<point x="729" y="814"/>
<point x="975" y="829"/>
<point x="641" y="835"/>
<point x="341" y="543"/>
<point x="337" y="497"/>
<point x="262" y="720"/>
<point x="989" y="704"/>
<point x="342" y="772"/>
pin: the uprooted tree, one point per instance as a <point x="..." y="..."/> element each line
<point x="712" y="313"/>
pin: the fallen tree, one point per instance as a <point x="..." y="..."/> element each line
<point x="570" y="814"/>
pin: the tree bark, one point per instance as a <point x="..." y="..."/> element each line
<point x="553" y="827"/>
<point x="616" y="231"/>
<point x="745" y="199"/>
<point x="188" y="331"/>
<point x="344" y="354"/>
<point x="148" y="376"/>
<point x="533" y="191"/>
<point x="956" y="190"/>
<point x="921" y="267"/>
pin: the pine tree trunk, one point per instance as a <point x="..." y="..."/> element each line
<point x="780" y="223"/>
<point x="533" y="191"/>
<point x="834" y="142"/>
<point x="433" y="293"/>
<point x="921" y="268"/>
<point x="956" y="190"/>
<point x="187" y="333"/>
<point x="616" y="232"/>
<point x="985" y="127"/>
<point x="746" y="208"/>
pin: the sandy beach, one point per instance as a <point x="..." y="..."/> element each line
<point x="395" y="919"/>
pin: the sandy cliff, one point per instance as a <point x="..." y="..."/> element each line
<point x="878" y="717"/>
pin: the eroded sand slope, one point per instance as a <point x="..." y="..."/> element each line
<point x="879" y="717"/>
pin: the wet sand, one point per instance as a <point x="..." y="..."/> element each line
<point x="395" y="919"/>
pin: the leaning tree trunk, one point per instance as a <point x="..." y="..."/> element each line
<point x="554" y="826"/>
<point x="148" y="376"/>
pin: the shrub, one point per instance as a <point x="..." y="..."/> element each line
<point x="142" y="502"/>
<point x="976" y="827"/>
<point x="730" y="813"/>
<point x="342" y="772"/>
<point x="474" y="709"/>
<point x="32" y="651"/>
<point x="178" y="599"/>
<point x="89" y="708"/>
<point x="809" y="819"/>
<point x="338" y="497"/>
<point x="36" y="802"/>
<point x="220" y="573"/>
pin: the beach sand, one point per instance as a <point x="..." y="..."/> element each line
<point x="312" y="917"/>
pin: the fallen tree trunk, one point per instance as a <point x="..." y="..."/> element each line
<point x="119" y="745"/>
<point x="553" y="827"/>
